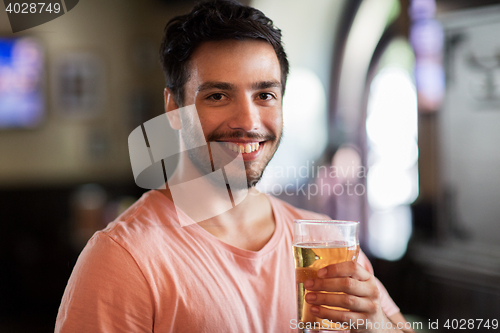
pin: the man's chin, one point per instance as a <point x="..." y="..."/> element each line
<point x="253" y="178"/>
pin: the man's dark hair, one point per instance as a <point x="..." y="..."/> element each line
<point x="213" y="21"/>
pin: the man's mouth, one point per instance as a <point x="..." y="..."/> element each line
<point x="243" y="147"/>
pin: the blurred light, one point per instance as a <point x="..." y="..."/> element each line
<point x="305" y="127"/>
<point x="422" y="9"/>
<point x="392" y="179"/>
<point x="389" y="232"/>
<point x="402" y="154"/>
<point x="368" y="25"/>
<point x="389" y="186"/>
<point x="304" y="111"/>
<point x="22" y="101"/>
<point x="430" y="79"/>
<point x="90" y="196"/>
<point x="427" y="40"/>
<point x="427" y="37"/>
<point x="348" y="161"/>
<point x="392" y="108"/>
<point x="372" y="18"/>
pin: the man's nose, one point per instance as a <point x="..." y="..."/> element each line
<point x="246" y="115"/>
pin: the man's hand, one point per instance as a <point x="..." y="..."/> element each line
<point x="356" y="290"/>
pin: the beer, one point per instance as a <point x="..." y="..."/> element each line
<point x="309" y="258"/>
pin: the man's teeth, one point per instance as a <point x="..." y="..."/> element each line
<point x="243" y="148"/>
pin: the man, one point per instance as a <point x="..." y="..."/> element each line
<point x="154" y="269"/>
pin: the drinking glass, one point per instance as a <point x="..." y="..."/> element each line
<point x="316" y="244"/>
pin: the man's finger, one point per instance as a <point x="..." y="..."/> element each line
<point x="347" y="318"/>
<point x="345" y="284"/>
<point x="346" y="301"/>
<point x="345" y="269"/>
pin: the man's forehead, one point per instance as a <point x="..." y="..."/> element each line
<point x="229" y="64"/>
<point x="233" y="54"/>
<point x="258" y="85"/>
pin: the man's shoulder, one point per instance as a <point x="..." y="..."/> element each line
<point x="149" y="217"/>
<point x="296" y="213"/>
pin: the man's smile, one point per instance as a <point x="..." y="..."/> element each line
<point x="242" y="147"/>
<point x="250" y="150"/>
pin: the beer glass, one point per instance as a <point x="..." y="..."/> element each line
<point x="316" y="244"/>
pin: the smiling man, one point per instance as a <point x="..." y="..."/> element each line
<point x="237" y="90"/>
<point x="154" y="269"/>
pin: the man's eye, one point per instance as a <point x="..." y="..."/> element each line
<point x="265" y="96"/>
<point x="216" y="97"/>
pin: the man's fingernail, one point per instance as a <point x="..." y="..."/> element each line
<point x="322" y="272"/>
<point x="310" y="297"/>
<point x="314" y="309"/>
<point x="308" y="284"/>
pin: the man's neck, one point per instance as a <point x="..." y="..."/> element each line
<point x="249" y="225"/>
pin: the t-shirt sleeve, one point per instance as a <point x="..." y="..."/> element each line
<point x="386" y="302"/>
<point x="106" y="292"/>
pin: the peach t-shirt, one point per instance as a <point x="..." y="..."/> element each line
<point x="146" y="273"/>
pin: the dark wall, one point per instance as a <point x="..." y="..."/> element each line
<point x="37" y="254"/>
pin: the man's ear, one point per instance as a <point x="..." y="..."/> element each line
<point x="172" y="110"/>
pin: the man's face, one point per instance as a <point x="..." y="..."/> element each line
<point x="236" y="87"/>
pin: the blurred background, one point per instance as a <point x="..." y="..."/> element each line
<point x="392" y="118"/>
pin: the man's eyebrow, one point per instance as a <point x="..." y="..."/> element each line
<point x="266" y="85"/>
<point x="229" y="86"/>
<point x="216" y="85"/>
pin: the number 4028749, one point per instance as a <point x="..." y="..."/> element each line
<point x="33" y="8"/>
<point x="471" y="324"/>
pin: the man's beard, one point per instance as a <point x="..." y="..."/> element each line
<point x="253" y="169"/>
